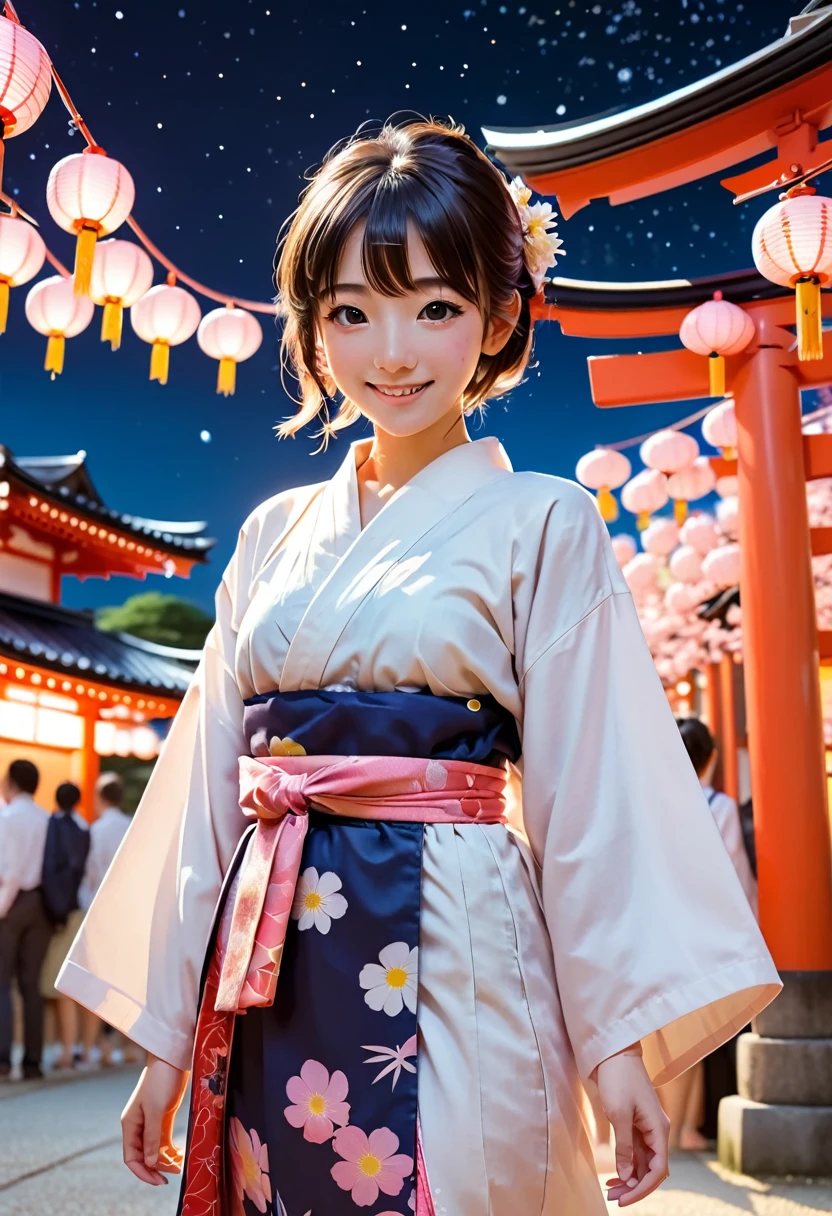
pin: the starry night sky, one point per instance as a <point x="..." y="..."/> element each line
<point x="218" y="109"/>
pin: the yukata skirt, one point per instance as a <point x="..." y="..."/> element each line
<point x="304" y="1081"/>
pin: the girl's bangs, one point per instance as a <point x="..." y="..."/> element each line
<point x="386" y="210"/>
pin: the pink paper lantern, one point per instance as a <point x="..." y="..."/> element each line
<point x="792" y="246"/>
<point x="230" y="335"/>
<point x="722" y="565"/>
<point x="690" y="484"/>
<point x="717" y="328"/>
<point x="701" y="533"/>
<point x="90" y="195"/>
<point x="680" y="598"/>
<point x="121" y="274"/>
<point x="728" y="514"/>
<point x="669" y="451"/>
<point x="719" y="428"/>
<point x="686" y="565"/>
<point x="25" y="79"/>
<point x="728" y="487"/>
<point x="604" y="470"/>
<point x="22" y="254"/>
<point x="624" y="548"/>
<point x="644" y="494"/>
<point x="660" y="537"/>
<point x="165" y="316"/>
<point x="642" y="573"/>
<point x="55" y="309"/>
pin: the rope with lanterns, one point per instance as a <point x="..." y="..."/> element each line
<point x="91" y="195"/>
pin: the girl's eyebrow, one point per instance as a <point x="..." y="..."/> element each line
<point x="363" y="289"/>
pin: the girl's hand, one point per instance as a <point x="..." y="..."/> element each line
<point x="641" y="1127"/>
<point x="147" y="1122"/>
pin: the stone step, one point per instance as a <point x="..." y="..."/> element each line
<point x="755" y="1138"/>
<point x="796" y="1072"/>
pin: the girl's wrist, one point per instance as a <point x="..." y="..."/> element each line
<point x="633" y="1050"/>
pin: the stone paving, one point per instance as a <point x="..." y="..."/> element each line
<point x="60" y="1156"/>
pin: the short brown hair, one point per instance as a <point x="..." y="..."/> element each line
<point x="433" y="174"/>
<point x="110" y="788"/>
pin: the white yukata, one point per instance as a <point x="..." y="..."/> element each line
<point x="620" y="920"/>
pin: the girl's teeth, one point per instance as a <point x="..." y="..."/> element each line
<point x="401" y="392"/>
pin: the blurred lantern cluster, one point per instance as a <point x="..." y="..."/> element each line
<point x="91" y="195"/>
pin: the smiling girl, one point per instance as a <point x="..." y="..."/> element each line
<point x="426" y="773"/>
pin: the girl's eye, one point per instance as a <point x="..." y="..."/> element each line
<point x="346" y="315"/>
<point x="440" y="310"/>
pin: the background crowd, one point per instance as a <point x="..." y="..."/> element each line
<point x="51" y="865"/>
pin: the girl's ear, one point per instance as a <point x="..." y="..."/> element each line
<point x="501" y="325"/>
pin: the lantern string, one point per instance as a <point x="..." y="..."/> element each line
<point x="152" y="249"/>
<point x="673" y="426"/>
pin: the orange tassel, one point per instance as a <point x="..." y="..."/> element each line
<point x="4" y="305"/>
<point x="642" y="520"/>
<point x="716" y="375"/>
<point x="227" y="377"/>
<point x="84" y="254"/>
<point x="55" y="354"/>
<point x="111" y="323"/>
<point x="680" y="510"/>
<point x="607" y="505"/>
<point x="809" y="324"/>
<point x="160" y="362"/>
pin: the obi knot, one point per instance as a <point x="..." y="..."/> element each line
<point x="268" y="791"/>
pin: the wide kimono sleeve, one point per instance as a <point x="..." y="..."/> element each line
<point x="652" y="934"/>
<point x="138" y="957"/>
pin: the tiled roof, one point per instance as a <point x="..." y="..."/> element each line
<point x="65" y="480"/>
<point x="69" y="642"/>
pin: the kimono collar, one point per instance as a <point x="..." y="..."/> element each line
<point x="450" y="477"/>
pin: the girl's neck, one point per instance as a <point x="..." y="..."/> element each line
<point x="394" y="460"/>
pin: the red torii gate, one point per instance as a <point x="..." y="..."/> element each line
<point x="781" y="97"/>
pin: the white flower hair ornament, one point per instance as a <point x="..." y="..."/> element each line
<point x="541" y="243"/>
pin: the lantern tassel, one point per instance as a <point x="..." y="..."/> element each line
<point x="227" y="377"/>
<point x="729" y="453"/>
<point x="55" y="355"/>
<point x="809" y="325"/>
<point x="716" y="374"/>
<point x="642" y="520"/>
<point x="111" y="323"/>
<point x="680" y="510"/>
<point x="84" y="254"/>
<point x="607" y="505"/>
<point x="160" y="361"/>
<point x="4" y="305"/>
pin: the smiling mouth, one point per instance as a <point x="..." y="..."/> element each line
<point x="400" y="392"/>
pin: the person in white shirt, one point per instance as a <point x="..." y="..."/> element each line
<point x="686" y="1099"/>
<point x="107" y="831"/>
<point x="25" y="929"/>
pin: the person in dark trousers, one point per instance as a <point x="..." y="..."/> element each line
<point x="65" y="858"/>
<point x="25" y="929"/>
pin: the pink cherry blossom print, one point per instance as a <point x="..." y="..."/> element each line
<point x="391" y="982"/>
<point x="249" y="1167"/>
<point x="394" y="1057"/>
<point x="317" y="902"/>
<point x="371" y="1164"/>
<point x="318" y="1102"/>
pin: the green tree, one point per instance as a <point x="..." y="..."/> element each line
<point x="165" y="619"/>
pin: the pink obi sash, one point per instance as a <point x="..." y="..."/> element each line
<point x="277" y="792"/>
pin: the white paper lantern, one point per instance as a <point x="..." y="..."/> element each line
<point x="669" y="451"/>
<point x="689" y="484"/>
<point x="719" y="428"/>
<point x="644" y="494"/>
<point x="728" y="487"/>
<point x="165" y="316"/>
<point x="792" y="246"/>
<point x="717" y="328"/>
<point x="121" y="274"/>
<point x="686" y="565"/>
<point x="55" y="309"/>
<point x="22" y="254"/>
<point x="642" y="573"/>
<point x="728" y="514"/>
<point x="660" y="537"/>
<point x="722" y="565"/>
<point x="90" y="195"/>
<point x="701" y="533"/>
<point x="230" y="335"/>
<point x="604" y="470"/>
<point x="624" y="548"/>
<point x="144" y="742"/>
<point x="25" y="79"/>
